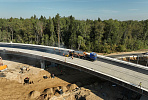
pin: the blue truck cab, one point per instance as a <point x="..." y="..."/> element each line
<point x="93" y="56"/>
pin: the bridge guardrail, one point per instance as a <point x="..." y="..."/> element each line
<point x="34" y="45"/>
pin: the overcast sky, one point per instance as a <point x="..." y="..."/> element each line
<point x="80" y="9"/>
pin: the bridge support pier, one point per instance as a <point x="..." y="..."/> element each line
<point x="42" y="64"/>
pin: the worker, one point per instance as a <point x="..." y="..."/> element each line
<point x="27" y="69"/>
<point x="26" y="80"/>
<point x="69" y="53"/>
<point x="61" y="91"/>
<point x="21" y="70"/>
<point x="140" y="84"/>
<point x="52" y="75"/>
<point x="72" y="57"/>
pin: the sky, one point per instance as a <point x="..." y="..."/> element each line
<point x="80" y="9"/>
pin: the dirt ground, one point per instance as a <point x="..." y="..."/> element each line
<point x="75" y="85"/>
<point x="118" y="53"/>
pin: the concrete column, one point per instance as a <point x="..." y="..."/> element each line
<point x="42" y="64"/>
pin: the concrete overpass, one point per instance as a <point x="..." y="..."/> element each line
<point x="120" y="72"/>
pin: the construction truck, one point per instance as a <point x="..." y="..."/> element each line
<point x="2" y="67"/>
<point x="83" y="55"/>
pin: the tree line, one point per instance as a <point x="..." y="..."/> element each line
<point x="104" y="36"/>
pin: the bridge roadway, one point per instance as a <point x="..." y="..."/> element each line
<point x="122" y="74"/>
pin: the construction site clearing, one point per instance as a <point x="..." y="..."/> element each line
<point x="24" y="82"/>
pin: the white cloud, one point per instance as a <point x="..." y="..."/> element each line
<point x="133" y="9"/>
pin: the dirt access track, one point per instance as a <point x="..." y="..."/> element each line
<point x="124" y="53"/>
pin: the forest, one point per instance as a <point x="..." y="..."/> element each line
<point x="102" y="36"/>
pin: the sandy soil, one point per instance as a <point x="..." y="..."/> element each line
<point x="75" y="84"/>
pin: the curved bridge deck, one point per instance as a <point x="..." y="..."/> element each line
<point x="122" y="74"/>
